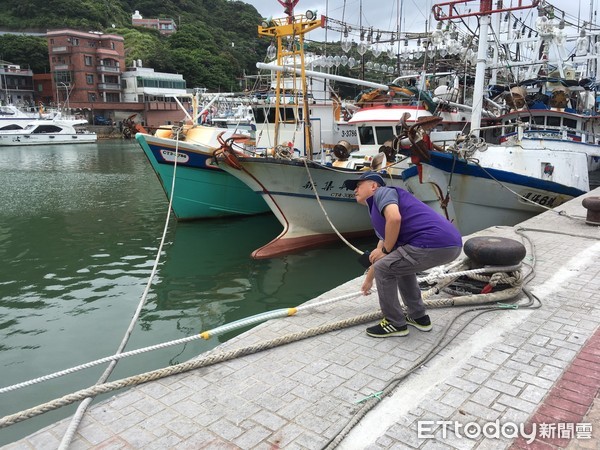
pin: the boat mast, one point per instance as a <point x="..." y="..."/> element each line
<point x="485" y="11"/>
<point x="292" y="26"/>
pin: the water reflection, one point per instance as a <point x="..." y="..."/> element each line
<point x="79" y="232"/>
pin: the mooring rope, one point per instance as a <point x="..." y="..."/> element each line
<point x="215" y="357"/>
<point x="82" y="408"/>
<point x="333" y="227"/>
<point x="437" y="347"/>
<point x="444" y="276"/>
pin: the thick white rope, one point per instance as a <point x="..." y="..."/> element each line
<point x="443" y="275"/>
<point x="82" y="408"/>
<point x="312" y="183"/>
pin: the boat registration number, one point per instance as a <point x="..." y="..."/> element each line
<point x="169" y="156"/>
<point x="543" y="200"/>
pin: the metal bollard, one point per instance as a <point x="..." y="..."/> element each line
<point x="592" y="204"/>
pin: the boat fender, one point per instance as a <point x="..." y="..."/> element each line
<point x="494" y="251"/>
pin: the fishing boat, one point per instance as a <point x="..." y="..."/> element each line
<point x="201" y="189"/>
<point x="304" y="188"/>
<point x="539" y="154"/>
<point x="42" y="132"/>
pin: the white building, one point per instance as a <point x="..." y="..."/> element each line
<point x="140" y="84"/>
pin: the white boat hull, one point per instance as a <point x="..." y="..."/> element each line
<point x="286" y="186"/>
<point x="21" y="140"/>
<point x="481" y="196"/>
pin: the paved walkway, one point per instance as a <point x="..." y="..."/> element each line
<point x="494" y="372"/>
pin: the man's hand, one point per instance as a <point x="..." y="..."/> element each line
<point x="376" y="255"/>
<point x="366" y="286"/>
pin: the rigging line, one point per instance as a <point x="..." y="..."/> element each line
<point x="77" y="418"/>
<point x="314" y="188"/>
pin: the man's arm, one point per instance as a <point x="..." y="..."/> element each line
<point x="393" y="219"/>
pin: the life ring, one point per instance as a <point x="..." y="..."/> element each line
<point x="494" y="251"/>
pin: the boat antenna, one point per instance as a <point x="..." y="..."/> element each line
<point x="292" y="27"/>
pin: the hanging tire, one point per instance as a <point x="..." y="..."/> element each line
<point x="494" y="251"/>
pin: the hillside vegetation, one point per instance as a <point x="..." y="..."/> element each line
<point x="215" y="45"/>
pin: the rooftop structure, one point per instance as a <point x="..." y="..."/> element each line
<point x="163" y="25"/>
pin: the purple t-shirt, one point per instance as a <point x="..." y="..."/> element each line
<point x="421" y="226"/>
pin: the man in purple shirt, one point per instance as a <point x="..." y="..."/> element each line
<point x="412" y="238"/>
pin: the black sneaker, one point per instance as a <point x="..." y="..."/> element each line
<point x="386" y="329"/>
<point x="422" y="323"/>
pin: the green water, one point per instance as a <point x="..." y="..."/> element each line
<point x="79" y="230"/>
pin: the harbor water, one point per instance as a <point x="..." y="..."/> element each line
<point x="80" y="227"/>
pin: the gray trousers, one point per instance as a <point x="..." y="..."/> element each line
<point x="397" y="272"/>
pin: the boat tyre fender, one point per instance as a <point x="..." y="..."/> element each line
<point x="494" y="251"/>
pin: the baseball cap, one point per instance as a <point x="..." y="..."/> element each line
<point x="372" y="176"/>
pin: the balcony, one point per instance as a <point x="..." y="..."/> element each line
<point x="61" y="49"/>
<point x="109" y="86"/>
<point x="61" y="67"/>
<point x="108" y="69"/>
<point x="107" y="52"/>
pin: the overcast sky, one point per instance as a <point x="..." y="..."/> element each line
<point x="383" y="14"/>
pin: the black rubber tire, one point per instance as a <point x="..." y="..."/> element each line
<point x="494" y="251"/>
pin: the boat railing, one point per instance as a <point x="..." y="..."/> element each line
<point x="566" y="133"/>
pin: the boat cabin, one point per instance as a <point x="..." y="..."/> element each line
<point x="550" y="124"/>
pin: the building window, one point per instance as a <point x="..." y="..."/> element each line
<point x="88" y="60"/>
<point x="91" y="96"/>
<point x="62" y="77"/>
<point x="89" y="78"/>
<point x="112" y="45"/>
<point x="75" y="41"/>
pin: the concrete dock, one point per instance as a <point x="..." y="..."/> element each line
<point x="507" y="378"/>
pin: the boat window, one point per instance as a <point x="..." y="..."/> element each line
<point x="11" y="127"/>
<point x="570" y="123"/>
<point x="289" y="114"/>
<point x="525" y="119"/>
<point x="264" y="115"/>
<point x="538" y="120"/>
<point x="366" y="135"/>
<point x="553" y="121"/>
<point x="384" y="134"/>
<point x="47" y="129"/>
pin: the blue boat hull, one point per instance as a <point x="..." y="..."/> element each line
<point x="201" y="189"/>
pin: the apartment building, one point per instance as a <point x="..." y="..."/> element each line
<point x="89" y="75"/>
<point x="86" y="67"/>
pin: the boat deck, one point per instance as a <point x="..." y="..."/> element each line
<point x="515" y="366"/>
